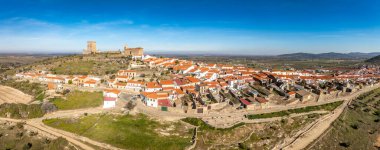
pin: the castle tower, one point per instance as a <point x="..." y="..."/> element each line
<point x="91" y="47"/>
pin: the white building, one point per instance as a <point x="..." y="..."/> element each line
<point x="109" y="102"/>
<point x="110" y="97"/>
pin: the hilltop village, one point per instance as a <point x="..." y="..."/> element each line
<point x="184" y="86"/>
<point x="187" y="103"/>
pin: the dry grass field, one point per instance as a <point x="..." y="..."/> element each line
<point x="11" y="95"/>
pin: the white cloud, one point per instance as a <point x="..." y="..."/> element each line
<point x="22" y="21"/>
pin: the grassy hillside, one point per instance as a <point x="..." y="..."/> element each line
<point x="85" y="65"/>
<point x="127" y="132"/>
<point x="357" y="128"/>
<point x="375" y="59"/>
<point x="21" y="111"/>
<point x="15" y="136"/>
<point x="248" y="136"/>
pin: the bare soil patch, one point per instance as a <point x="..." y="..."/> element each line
<point x="11" y="95"/>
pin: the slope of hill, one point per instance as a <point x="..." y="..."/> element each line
<point x="375" y="59"/>
<point x="331" y="55"/>
<point x="357" y="127"/>
<point x="11" y="95"/>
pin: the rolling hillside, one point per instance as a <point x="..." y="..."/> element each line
<point x="375" y="59"/>
<point x="331" y="55"/>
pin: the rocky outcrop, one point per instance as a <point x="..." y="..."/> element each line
<point x="377" y="142"/>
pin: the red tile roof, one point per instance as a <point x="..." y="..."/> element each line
<point x="109" y="99"/>
<point x="245" y="102"/>
<point x="261" y="100"/>
<point x="112" y="91"/>
<point x="164" y="102"/>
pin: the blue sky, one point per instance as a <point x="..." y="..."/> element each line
<point x="264" y="27"/>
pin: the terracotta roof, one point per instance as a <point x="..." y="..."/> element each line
<point x="179" y="91"/>
<point x="245" y="102"/>
<point x="115" y="91"/>
<point x="51" y="86"/>
<point x="91" y="81"/>
<point x="261" y="100"/>
<point x="192" y="79"/>
<point x="82" y="77"/>
<point x="134" y="82"/>
<point x="166" y="82"/>
<point x="124" y="77"/>
<point x="179" y="82"/>
<point x="155" y="95"/>
<point x="164" y="102"/>
<point x="168" y="88"/>
<point x="152" y="85"/>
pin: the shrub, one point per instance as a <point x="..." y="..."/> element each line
<point x="344" y="144"/>
<point x="58" y="143"/>
<point x="354" y="126"/>
<point x="130" y="105"/>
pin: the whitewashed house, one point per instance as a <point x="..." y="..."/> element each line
<point x="110" y="97"/>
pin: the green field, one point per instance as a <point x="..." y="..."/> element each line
<point x="327" y="107"/>
<point x="78" y="99"/>
<point x="128" y="132"/>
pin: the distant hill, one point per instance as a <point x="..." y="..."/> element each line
<point x="375" y="59"/>
<point x="331" y="55"/>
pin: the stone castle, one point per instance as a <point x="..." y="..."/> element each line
<point x="137" y="52"/>
<point x="91" y="48"/>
